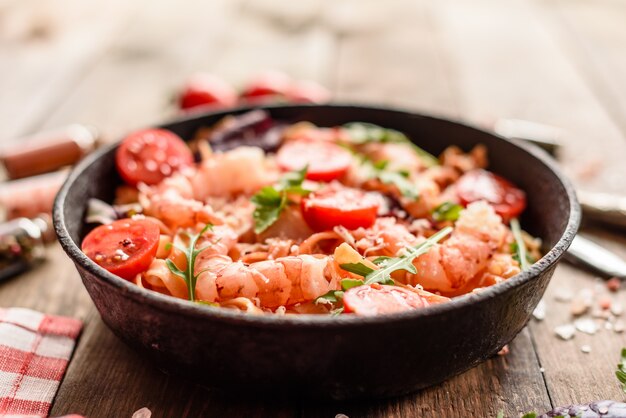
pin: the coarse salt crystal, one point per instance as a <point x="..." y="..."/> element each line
<point x="617" y="309"/>
<point x="563" y="295"/>
<point x="540" y="311"/>
<point x="585" y="348"/>
<point x="586" y="325"/>
<point x="565" y="332"/>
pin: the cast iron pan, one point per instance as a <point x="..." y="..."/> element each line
<point x="322" y="356"/>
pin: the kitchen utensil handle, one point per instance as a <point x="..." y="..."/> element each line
<point x="603" y="207"/>
<point x="596" y="257"/>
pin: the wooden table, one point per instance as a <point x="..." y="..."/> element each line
<point x="115" y="64"/>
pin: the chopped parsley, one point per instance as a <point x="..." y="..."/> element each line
<point x="270" y="201"/>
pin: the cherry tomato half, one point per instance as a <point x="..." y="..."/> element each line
<point x="150" y="155"/>
<point x="383" y="299"/>
<point x="507" y="200"/>
<point x="125" y="247"/>
<point x="206" y="89"/>
<point x="333" y="206"/>
<point x="325" y="161"/>
<point x="267" y="84"/>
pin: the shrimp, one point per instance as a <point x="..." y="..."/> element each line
<point x="241" y="170"/>
<point x="172" y="201"/>
<point x="274" y="283"/>
<point x="448" y="267"/>
<point x="386" y="237"/>
<point x="181" y="199"/>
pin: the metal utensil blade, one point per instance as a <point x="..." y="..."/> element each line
<point x="596" y="257"/>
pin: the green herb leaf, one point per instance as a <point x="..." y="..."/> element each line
<point x="500" y="414"/>
<point x="207" y="303"/>
<point x="364" y="133"/>
<point x="332" y="296"/>
<point x="519" y="250"/>
<point x="336" y="312"/>
<point x="190" y="252"/>
<point x="530" y="415"/>
<point x="347" y="284"/>
<point x="174" y="269"/>
<point x="271" y="201"/>
<point x="293" y="179"/>
<point x="447" y="211"/>
<point x="269" y="204"/>
<point x="405" y="262"/>
<point x="357" y="268"/>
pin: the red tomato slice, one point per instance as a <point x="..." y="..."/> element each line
<point x="205" y="89"/>
<point x="326" y="161"/>
<point x="271" y="83"/>
<point x="333" y="206"/>
<point x="125" y="247"/>
<point x="150" y="155"/>
<point x="383" y="299"/>
<point x="507" y="200"/>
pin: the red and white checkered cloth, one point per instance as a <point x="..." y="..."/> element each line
<point x="35" y="349"/>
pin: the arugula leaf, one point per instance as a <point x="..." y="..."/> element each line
<point x="447" y="211"/>
<point x="347" y="284"/>
<point x="405" y="262"/>
<point x="518" y="247"/>
<point x="620" y="373"/>
<point x="191" y="252"/>
<point x="383" y="274"/>
<point x="365" y="133"/>
<point x="357" y="268"/>
<point x="332" y="296"/>
<point x="270" y="201"/>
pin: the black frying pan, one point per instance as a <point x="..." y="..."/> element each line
<point x="323" y="356"/>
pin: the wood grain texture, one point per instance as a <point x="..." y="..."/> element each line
<point x="548" y="87"/>
<point x="593" y="35"/>
<point x="45" y="49"/>
<point x="134" y="82"/>
<point x="115" y="64"/>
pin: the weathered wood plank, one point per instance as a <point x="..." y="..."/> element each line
<point x="593" y="35"/>
<point x="132" y="86"/>
<point x="108" y="379"/>
<point x="129" y="87"/>
<point x="508" y="383"/>
<point x="509" y="65"/>
<point x="408" y="65"/>
<point x="45" y="47"/>
<point x="394" y="57"/>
